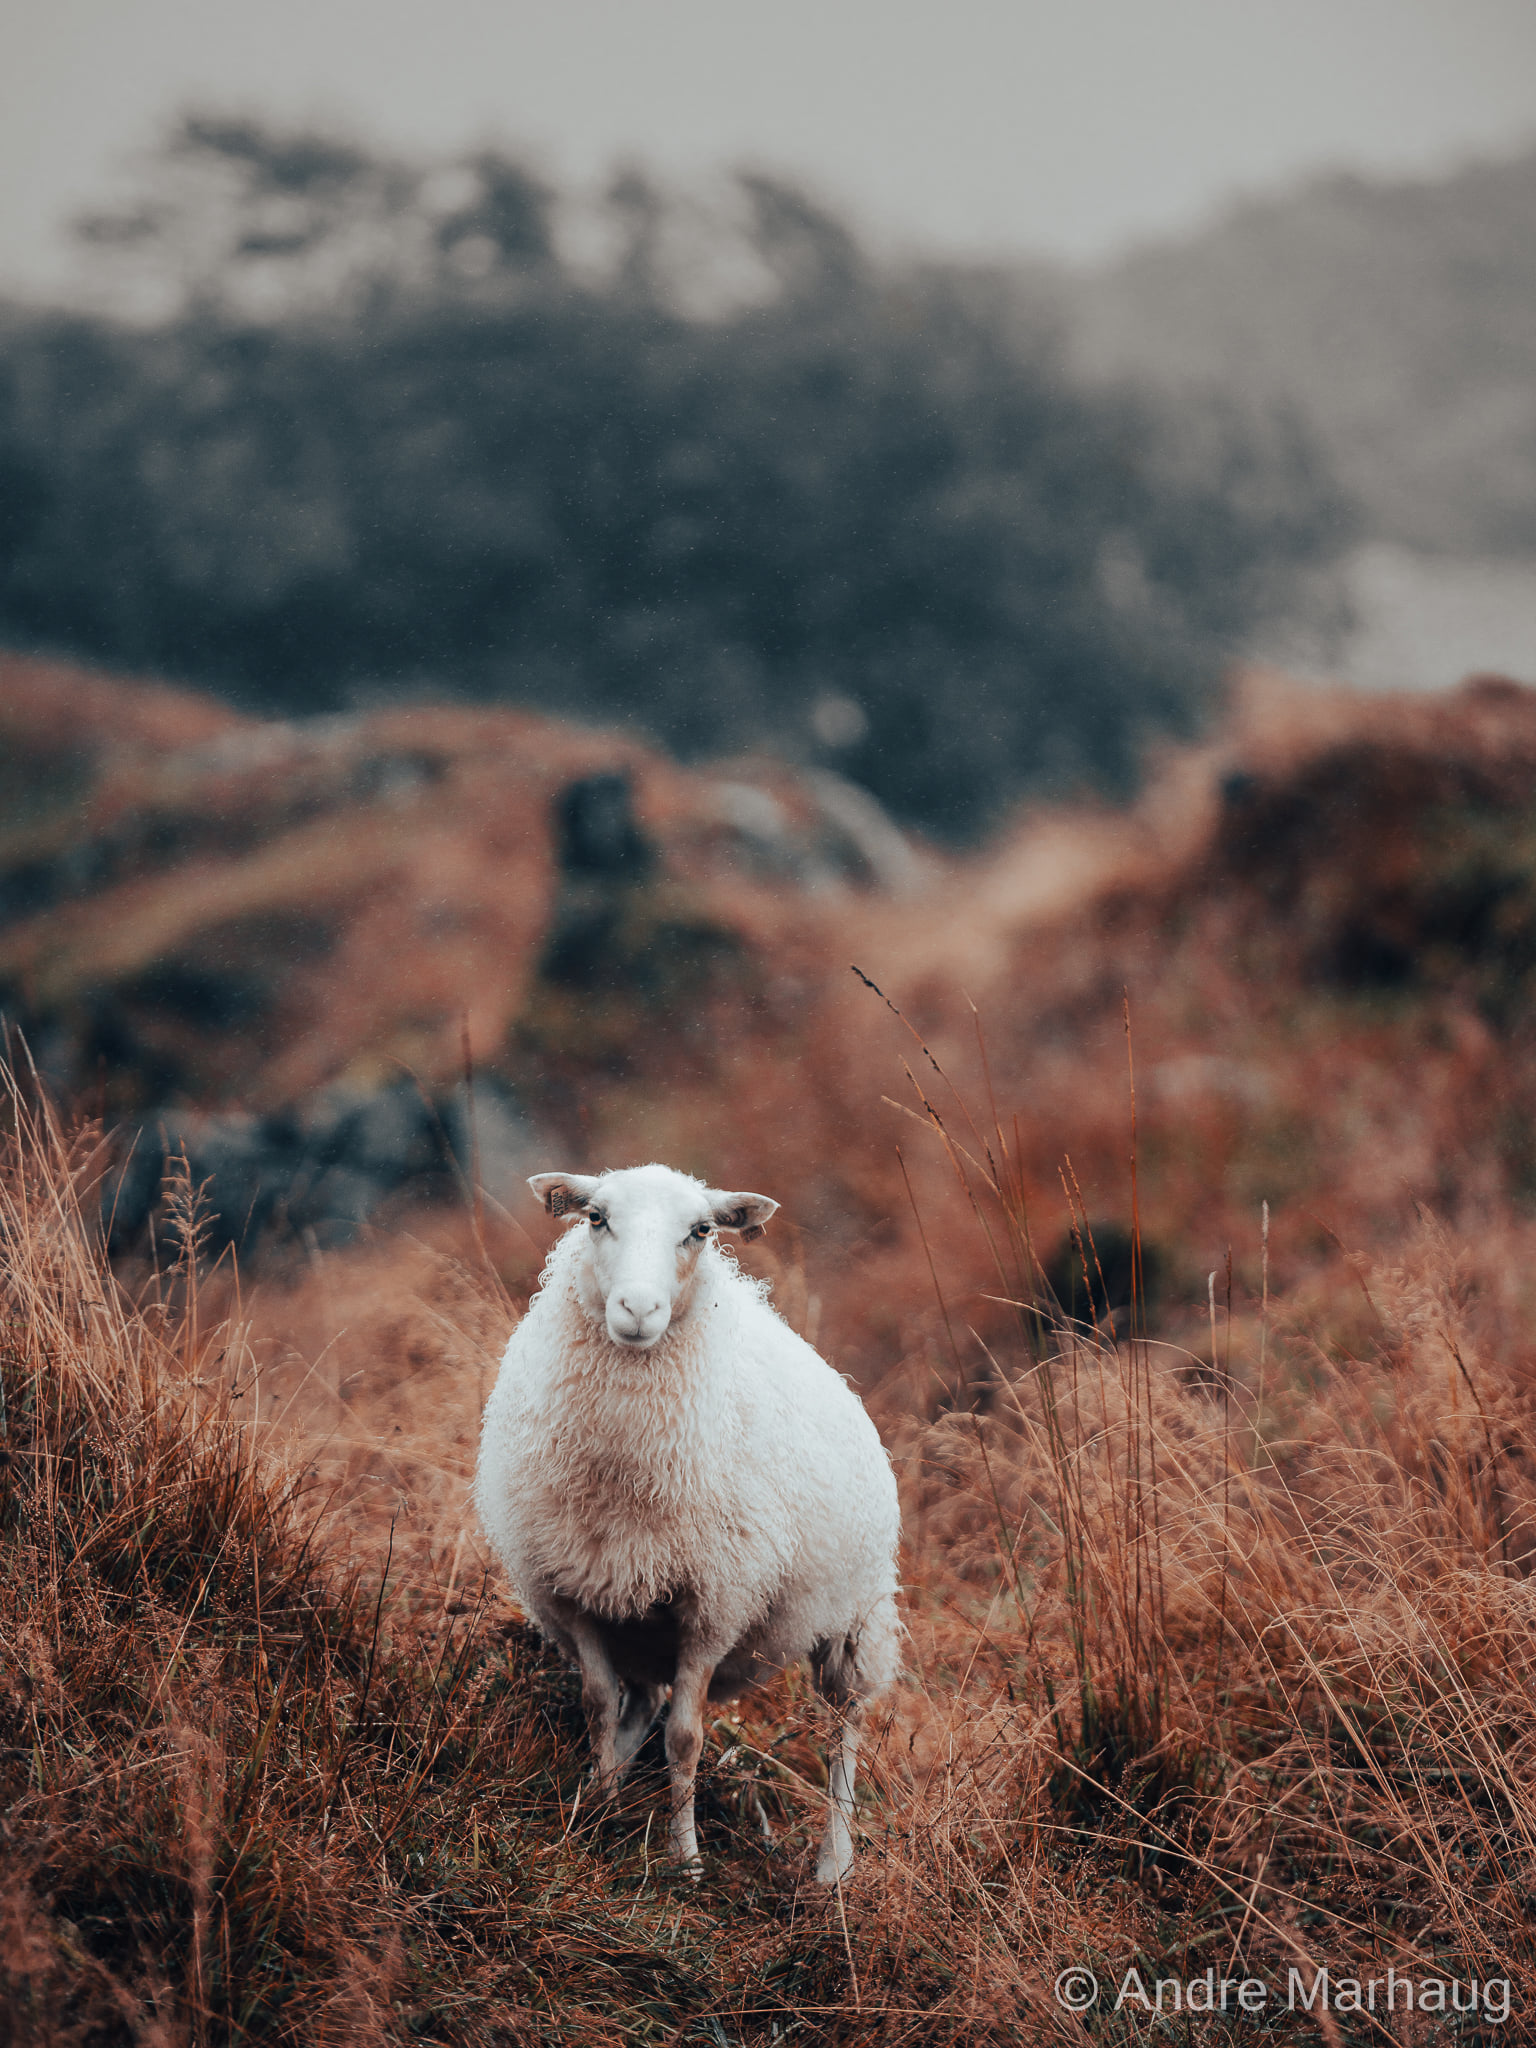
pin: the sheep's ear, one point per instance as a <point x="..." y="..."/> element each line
<point x="747" y="1213"/>
<point x="563" y="1194"/>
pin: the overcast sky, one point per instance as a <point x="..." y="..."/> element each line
<point x="1063" y="127"/>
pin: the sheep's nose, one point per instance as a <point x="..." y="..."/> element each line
<point x="637" y="1315"/>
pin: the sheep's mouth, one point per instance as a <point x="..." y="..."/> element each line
<point x="639" y="1341"/>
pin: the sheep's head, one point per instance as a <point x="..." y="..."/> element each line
<point x="644" y="1231"/>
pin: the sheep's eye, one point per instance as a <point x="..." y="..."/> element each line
<point x="700" y="1231"/>
<point x="597" y="1222"/>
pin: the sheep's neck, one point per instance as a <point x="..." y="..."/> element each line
<point x="632" y="1430"/>
<point x="630" y="1465"/>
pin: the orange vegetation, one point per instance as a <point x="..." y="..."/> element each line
<point x="1220" y="1616"/>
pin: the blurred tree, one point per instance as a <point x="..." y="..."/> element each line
<point x="240" y="221"/>
<point x="383" y="435"/>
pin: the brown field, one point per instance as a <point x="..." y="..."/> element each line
<point x="1221" y="1645"/>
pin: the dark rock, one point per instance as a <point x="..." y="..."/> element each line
<point x="1094" y="1280"/>
<point x="647" y="943"/>
<point x="214" y="999"/>
<point x="597" y="833"/>
<point x="317" y="1168"/>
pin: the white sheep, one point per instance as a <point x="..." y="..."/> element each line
<point x="683" y="1493"/>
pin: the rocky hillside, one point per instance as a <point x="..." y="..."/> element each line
<point x="280" y="946"/>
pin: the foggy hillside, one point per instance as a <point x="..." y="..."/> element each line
<point x="349" y="429"/>
<point x="1398" y="318"/>
<point x="356" y="429"/>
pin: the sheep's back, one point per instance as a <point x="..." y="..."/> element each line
<point x="830" y="1468"/>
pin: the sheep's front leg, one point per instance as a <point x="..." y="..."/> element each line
<point x="600" y="1697"/>
<point x="685" y="1743"/>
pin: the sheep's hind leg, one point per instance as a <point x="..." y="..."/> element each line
<point x="637" y="1717"/>
<point x="836" y="1858"/>
<point x="833" y="1668"/>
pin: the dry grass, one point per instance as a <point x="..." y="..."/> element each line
<point x="1221" y="1659"/>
